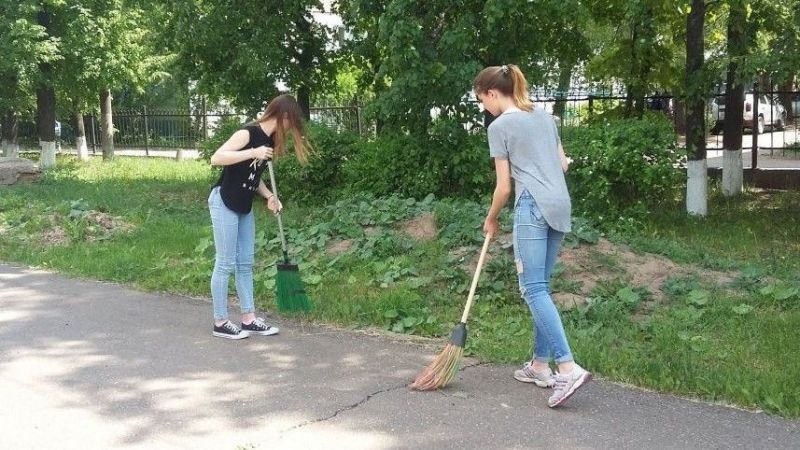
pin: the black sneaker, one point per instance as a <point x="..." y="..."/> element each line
<point x="258" y="326"/>
<point x="229" y="331"/>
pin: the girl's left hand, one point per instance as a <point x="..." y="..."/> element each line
<point x="274" y="204"/>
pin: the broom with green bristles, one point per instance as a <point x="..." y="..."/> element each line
<point x="444" y="368"/>
<point x="291" y="293"/>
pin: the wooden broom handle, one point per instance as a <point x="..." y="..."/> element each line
<point x="475" y="277"/>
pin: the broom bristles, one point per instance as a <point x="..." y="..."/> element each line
<point x="441" y="370"/>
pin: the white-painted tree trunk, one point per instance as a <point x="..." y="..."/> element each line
<point x="732" y="173"/>
<point x="3" y="147"/>
<point x="106" y="125"/>
<point x="48" y="156"/>
<point x="83" y="149"/>
<point x="697" y="188"/>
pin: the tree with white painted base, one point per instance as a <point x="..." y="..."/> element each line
<point x="46" y="102"/>
<point x="23" y="45"/>
<point x="10" y="143"/>
<point x="697" y="183"/>
<point x="80" y="135"/>
<point x="732" y="167"/>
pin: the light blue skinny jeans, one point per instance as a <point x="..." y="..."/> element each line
<point x="234" y="242"/>
<point x="536" y="247"/>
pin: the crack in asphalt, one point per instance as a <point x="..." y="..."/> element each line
<point x="345" y="408"/>
<point x="362" y="401"/>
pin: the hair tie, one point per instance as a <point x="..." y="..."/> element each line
<point x="504" y="69"/>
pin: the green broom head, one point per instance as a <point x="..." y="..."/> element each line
<point x="446" y="365"/>
<point x="292" y="295"/>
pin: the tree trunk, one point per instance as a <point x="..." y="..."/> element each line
<point x="697" y="183"/>
<point x="765" y="83"/>
<point x="10" y="135"/>
<point x="305" y="65"/>
<point x="80" y="136"/>
<point x="304" y="100"/>
<point x="679" y="116"/>
<point x="786" y="97"/>
<point x="564" y="78"/>
<point x="732" y="169"/>
<point x="46" y="105"/>
<point x="106" y="125"/>
<point x="4" y="128"/>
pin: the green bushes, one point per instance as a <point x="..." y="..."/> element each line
<point x="449" y="162"/>
<point x="322" y="178"/>
<point x="623" y="166"/>
<point x="620" y="167"/>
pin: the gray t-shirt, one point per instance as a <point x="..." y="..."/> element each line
<point x="530" y="141"/>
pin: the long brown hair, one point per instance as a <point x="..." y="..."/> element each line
<point x="284" y="108"/>
<point x="506" y="79"/>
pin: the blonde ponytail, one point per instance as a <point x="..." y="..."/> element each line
<point x="519" y="88"/>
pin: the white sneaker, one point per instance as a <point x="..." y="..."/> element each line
<point x="543" y="379"/>
<point x="566" y="385"/>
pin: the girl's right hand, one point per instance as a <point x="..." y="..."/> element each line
<point x="491" y="225"/>
<point x="261" y="153"/>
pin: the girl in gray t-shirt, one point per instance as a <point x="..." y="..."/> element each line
<point x="525" y="145"/>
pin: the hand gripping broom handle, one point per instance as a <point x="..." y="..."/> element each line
<point x="280" y="222"/>
<point x="476" y="277"/>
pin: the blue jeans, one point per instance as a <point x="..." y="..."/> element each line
<point x="234" y="242"/>
<point x="536" y="248"/>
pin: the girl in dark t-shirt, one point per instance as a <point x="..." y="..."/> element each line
<point x="243" y="158"/>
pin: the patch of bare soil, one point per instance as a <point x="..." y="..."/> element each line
<point x="587" y="265"/>
<point x="592" y="264"/>
<point x="421" y="228"/>
<point x="55" y="237"/>
<point x="336" y="248"/>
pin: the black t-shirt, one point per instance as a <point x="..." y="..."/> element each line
<point x="238" y="182"/>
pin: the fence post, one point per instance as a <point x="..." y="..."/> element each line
<point x="358" y="118"/>
<point x="756" y="112"/>
<point x="146" y="132"/>
<point x="205" y="117"/>
<point x="591" y="105"/>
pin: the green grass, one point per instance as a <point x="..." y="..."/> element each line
<point x="754" y="230"/>
<point x="729" y="343"/>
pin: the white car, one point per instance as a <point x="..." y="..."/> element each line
<point x="770" y="114"/>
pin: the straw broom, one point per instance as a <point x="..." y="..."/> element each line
<point x="444" y="368"/>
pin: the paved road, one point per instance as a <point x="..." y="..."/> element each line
<point x="88" y="365"/>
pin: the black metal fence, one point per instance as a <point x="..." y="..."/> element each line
<point x="143" y="129"/>
<point x="775" y="128"/>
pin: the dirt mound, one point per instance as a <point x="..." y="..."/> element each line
<point x="587" y="265"/>
<point x="422" y="228"/>
<point x="99" y="226"/>
<point x="336" y="248"/>
<point x="568" y="301"/>
<point x="592" y="264"/>
<point x="55" y="237"/>
<point x="108" y="222"/>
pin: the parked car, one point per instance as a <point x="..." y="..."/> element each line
<point x="770" y="114"/>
